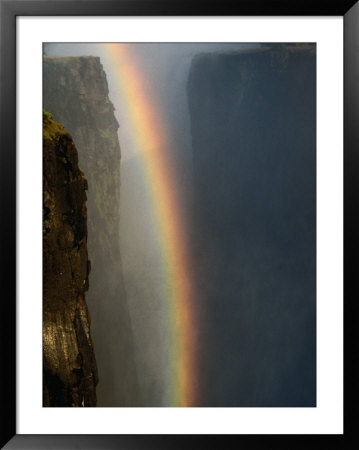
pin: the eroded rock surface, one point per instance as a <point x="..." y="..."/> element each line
<point x="70" y="371"/>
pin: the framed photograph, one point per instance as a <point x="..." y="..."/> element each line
<point x="187" y="167"/>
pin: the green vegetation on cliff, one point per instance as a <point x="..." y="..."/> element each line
<point x="51" y="130"/>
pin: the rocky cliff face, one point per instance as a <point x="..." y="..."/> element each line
<point x="253" y="122"/>
<point x="76" y="93"/>
<point x="70" y="371"/>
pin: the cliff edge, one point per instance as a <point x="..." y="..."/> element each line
<point x="69" y="365"/>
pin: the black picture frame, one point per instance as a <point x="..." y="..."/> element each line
<point x="9" y="10"/>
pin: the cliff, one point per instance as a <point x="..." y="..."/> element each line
<point x="69" y="365"/>
<point x="253" y="125"/>
<point x="75" y="91"/>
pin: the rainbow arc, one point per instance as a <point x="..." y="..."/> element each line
<point x="151" y="143"/>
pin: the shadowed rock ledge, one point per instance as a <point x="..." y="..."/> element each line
<point x="253" y="126"/>
<point x="69" y="365"/>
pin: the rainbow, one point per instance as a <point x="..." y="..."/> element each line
<point x="151" y="142"/>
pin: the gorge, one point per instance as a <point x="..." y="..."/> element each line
<point x="240" y="128"/>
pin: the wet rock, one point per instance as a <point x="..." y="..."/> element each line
<point x="69" y="364"/>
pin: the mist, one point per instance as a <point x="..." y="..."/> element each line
<point x="237" y="288"/>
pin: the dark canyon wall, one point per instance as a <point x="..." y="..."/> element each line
<point x="253" y="124"/>
<point x="76" y="93"/>
<point x="69" y="365"/>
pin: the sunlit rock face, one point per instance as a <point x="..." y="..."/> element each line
<point x="253" y="124"/>
<point x="69" y="364"/>
<point x="75" y="91"/>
